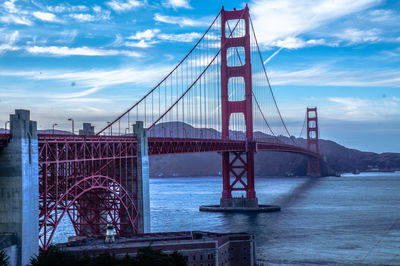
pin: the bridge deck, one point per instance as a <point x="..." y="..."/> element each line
<point x="159" y="146"/>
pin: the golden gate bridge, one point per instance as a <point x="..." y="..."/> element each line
<point x="218" y="98"/>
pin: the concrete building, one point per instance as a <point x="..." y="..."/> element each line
<point x="199" y="248"/>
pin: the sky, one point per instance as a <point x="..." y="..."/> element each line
<point x="91" y="60"/>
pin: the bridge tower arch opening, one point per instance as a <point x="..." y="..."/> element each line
<point x="237" y="167"/>
<point x="313" y="167"/>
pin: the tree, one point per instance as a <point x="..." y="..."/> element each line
<point x="144" y="257"/>
<point x="4" y="261"/>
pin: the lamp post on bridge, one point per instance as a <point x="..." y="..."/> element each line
<point x="5" y="125"/>
<point x="73" y="127"/>
<point x="54" y="125"/>
<point x="110" y="128"/>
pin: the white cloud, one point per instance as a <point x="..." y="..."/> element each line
<point x="354" y="36"/>
<point x="381" y="15"/>
<point x="13" y="37"/>
<point x="67" y="8"/>
<point x="84" y="17"/>
<point x="181" y="21"/>
<point x="325" y="75"/>
<point x="67" y="36"/>
<point x="148" y="37"/>
<point x="295" y="43"/>
<point x="15" y="19"/>
<point x="84" y="51"/>
<point x="10" y="6"/>
<point x="145" y="38"/>
<point x="119" y="41"/>
<point x="97" y="9"/>
<point x="45" y="16"/>
<point x="144" y="35"/>
<point x="358" y="109"/>
<point x="9" y="41"/>
<point x="183" y="37"/>
<point x="13" y="15"/>
<point x="351" y="104"/>
<point x="8" y="47"/>
<point x="97" y="78"/>
<point x="276" y="20"/>
<point x="77" y="94"/>
<point x="123" y="5"/>
<point x="140" y="44"/>
<point x="177" y="4"/>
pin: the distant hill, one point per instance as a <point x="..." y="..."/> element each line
<point x="335" y="158"/>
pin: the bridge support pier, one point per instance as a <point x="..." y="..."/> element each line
<point x="143" y="177"/>
<point x="241" y="169"/>
<point x="19" y="186"/>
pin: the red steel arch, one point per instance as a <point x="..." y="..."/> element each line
<point x="89" y="186"/>
<point x="92" y="179"/>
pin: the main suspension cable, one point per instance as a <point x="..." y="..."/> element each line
<point x="201" y="74"/>
<point x="167" y="76"/>
<point x="255" y="98"/>
<point x="269" y="84"/>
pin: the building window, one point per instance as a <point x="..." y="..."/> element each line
<point x="194" y="257"/>
<point x="201" y="257"/>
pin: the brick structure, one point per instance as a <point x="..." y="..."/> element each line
<point x="199" y="248"/>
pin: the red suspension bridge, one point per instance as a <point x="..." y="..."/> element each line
<point x="216" y="99"/>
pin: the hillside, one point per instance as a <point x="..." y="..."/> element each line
<point x="335" y="158"/>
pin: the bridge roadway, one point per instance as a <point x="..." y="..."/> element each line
<point x="161" y="146"/>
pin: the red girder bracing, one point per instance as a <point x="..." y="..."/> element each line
<point x="158" y="146"/>
<point x="92" y="179"/>
<point x="244" y="178"/>
<point x="313" y="141"/>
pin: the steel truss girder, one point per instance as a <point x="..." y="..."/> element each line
<point x="158" y="146"/>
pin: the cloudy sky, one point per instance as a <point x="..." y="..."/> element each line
<point x="90" y="60"/>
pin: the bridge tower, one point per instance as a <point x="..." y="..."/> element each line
<point x="313" y="168"/>
<point x="237" y="165"/>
